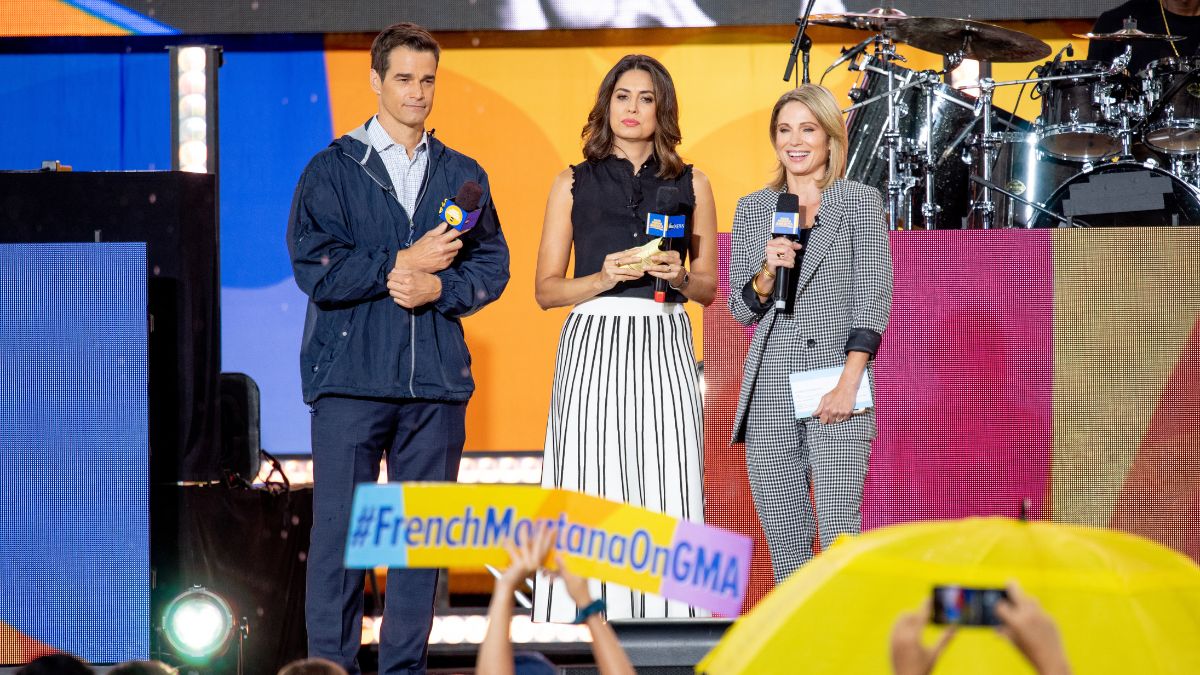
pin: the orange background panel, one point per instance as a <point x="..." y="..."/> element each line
<point x="34" y="18"/>
<point x="16" y="647"/>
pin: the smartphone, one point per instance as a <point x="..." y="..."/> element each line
<point x="961" y="606"/>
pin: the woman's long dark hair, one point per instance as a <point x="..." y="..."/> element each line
<point x="598" y="135"/>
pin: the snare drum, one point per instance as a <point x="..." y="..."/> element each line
<point x="1172" y="90"/>
<point x="1073" y="123"/>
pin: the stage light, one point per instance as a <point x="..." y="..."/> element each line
<point x="198" y="624"/>
<point x="194" y="107"/>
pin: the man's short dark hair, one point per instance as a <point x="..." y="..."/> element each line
<point x="407" y="35"/>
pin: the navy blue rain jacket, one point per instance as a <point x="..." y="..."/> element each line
<point x="345" y="228"/>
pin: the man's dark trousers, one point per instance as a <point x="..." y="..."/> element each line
<point x="423" y="441"/>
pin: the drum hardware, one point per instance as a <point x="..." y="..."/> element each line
<point x="1129" y="31"/>
<point x="976" y="40"/>
<point x="802" y="43"/>
<point x="886" y="50"/>
<point x="983" y="210"/>
<point x="1067" y="221"/>
<point x="872" y="20"/>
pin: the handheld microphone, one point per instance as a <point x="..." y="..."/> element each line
<point x="851" y="53"/>
<point x="462" y="211"/>
<point x="786" y="223"/>
<point x="665" y="221"/>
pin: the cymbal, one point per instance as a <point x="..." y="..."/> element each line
<point x="977" y="40"/>
<point x="871" y="20"/>
<point x="1129" y="34"/>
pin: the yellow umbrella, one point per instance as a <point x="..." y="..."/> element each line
<point x="1122" y="603"/>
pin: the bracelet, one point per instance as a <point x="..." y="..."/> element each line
<point x="687" y="279"/>
<point x="594" y="607"/>
<point x="754" y="285"/>
<point x="767" y="270"/>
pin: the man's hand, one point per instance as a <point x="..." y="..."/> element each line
<point x="433" y="252"/>
<point x="411" y="289"/>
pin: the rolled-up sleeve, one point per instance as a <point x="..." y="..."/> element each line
<point x="872" y="274"/>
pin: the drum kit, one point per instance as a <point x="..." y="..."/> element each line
<point x="1109" y="147"/>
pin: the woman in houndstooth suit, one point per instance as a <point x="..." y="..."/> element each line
<point x="843" y="296"/>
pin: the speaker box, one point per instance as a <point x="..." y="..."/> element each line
<point x="175" y="214"/>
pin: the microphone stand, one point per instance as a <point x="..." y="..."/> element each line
<point x="802" y="43"/>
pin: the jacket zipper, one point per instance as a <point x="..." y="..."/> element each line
<point x="412" y="226"/>
<point x="412" y="316"/>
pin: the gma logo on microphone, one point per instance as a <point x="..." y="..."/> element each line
<point x="456" y="216"/>
<point x="662" y="225"/>
<point x="786" y="223"/>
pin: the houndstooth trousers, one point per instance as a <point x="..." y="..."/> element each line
<point x="843" y="301"/>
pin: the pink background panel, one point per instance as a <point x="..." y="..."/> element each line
<point x="964" y="378"/>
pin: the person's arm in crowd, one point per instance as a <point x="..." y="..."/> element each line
<point x="910" y="656"/>
<point x="611" y="658"/>
<point x="1033" y="632"/>
<point x="496" y="652"/>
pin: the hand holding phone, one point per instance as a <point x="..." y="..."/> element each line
<point x="962" y="606"/>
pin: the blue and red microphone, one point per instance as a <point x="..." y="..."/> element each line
<point x="667" y="221"/>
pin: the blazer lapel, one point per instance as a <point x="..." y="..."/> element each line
<point x="821" y="240"/>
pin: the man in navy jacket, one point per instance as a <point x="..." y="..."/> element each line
<point x="383" y="363"/>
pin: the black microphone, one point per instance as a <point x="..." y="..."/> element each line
<point x="1068" y="50"/>
<point x="667" y="222"/>
<point x="785" y="223"/>
<point x="851" y="53"/>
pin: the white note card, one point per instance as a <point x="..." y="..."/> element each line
<point x="808" y="386"/>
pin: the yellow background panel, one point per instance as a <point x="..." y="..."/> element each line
<point x="1126" y="301"/>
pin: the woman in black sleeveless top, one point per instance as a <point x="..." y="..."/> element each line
<point x="625" y="416"/>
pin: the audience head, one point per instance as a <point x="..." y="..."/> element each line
<point x="56" y="664"/>
<point x="142" y="668"/>
<point x="532" y="663"/>
<point x="312" y="667"/>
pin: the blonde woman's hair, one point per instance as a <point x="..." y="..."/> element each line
<point x="824" y="107"/>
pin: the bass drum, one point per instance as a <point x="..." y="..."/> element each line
<point x="953" y="118"/>
<point x="1124" y="194"/>
<point x="1022" y="168"/>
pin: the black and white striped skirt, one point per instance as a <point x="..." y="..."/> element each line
<point x="626" y="424"/>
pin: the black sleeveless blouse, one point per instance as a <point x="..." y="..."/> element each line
<point x="609" y="215"/>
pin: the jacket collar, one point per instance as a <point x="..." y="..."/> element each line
<point x="357" y="145"/>
<point x="830" y="216"/>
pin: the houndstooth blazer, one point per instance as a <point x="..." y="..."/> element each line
<point x="843" y="295"/>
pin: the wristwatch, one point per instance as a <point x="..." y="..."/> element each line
<point x="687" y="279"/>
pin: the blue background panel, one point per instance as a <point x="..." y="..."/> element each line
<point x="74" y="510"/>
<point x="111" y="112"/>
